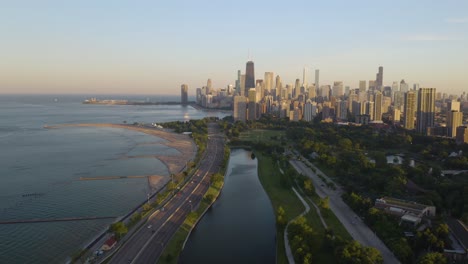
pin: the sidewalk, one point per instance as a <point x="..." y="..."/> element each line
<point x="286" y="240"/>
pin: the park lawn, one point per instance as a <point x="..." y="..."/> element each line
<point x="172" y="251"/>
<point x="279" y="196"/>
<point x="262" y="135"/>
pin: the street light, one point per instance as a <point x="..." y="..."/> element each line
<point x="191" y="208"/>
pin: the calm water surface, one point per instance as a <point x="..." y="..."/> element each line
<point x="240" y="227"/>
<point x="50" y="162"/>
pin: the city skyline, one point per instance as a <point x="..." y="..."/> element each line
<point x="56" y="47"/>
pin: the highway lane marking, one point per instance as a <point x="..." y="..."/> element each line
<point x="182" y="205"/>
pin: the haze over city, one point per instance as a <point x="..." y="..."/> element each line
<point x="153" y="47"/>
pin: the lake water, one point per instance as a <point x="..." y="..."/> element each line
<point x="240" y="227"/>
<point x="49" y="162"/>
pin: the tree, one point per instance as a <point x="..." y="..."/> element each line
<point x="432" y="258"/>
<point x="209" y="198"/>
<point x="308" y="187"/>
<point x="146" y="207"/>
<point x="353" y="252"/>
<point x="119" y="228"/>
<point x="281" y="217"/>
<point x="325" y="203"/>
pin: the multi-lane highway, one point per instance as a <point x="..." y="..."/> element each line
<point x="147" y="244"/>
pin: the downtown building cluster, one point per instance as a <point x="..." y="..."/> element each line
<point x="422" y="109"/>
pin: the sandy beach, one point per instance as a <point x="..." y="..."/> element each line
<point x="175" y="163"/>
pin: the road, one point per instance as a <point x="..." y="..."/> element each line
<point x="148" y="243"/>
<point x="355" y="226"/>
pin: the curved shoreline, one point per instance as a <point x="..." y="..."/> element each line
<point x="182" y="143"/>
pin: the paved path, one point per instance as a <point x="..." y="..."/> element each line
<point x="355" y="226"/>
<point x="286" y="240"/>
<point x="317" y="210"/>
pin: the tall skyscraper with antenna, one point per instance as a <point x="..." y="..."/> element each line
<point x="249" y="77"/>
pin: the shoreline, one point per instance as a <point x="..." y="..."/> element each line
<point x="184" y="144"/>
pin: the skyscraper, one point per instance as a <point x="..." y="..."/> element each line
<point x="242" y="86"/>
<point x="184" y="94"/>
<point x="252" y="106"/>
<point x="454" y="120"/>
<point x="297" y="87"/>
<point x="379" y="80"/>
<point x="453" y="106"/>
<point x="403" y="86"/>
<point x="278" y="82"/>
<point x="268" y="81"/>
<point x="378" y="106"/>
<point x="317" y="72"/>
<point x="410" y="102"/>
<point x="238" y="83"/>
<point x="337" y="89"/>
<point x="310" y="110"/>
<point x="426" y="110"/>
<point x="240" y="108"/>
<point x="362" y="86"/>
<point x="249" y="77"/>
<point x="208" y="86"/>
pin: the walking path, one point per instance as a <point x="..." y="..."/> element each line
<point x="316" y="209"/>
<point x="286" y="240"/>
<point x="355" y="226"/>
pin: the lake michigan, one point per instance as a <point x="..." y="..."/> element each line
<point x="40" y="169"/>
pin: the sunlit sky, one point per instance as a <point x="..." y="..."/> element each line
<point x="152" y="47"/>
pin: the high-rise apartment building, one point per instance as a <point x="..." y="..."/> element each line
<point x="252" y="106"/>
<point x="462" y="135"/>
<point x="184" y="94"/>
<point x="297" y="87"/>
<point x="310" y="110"/>
<point x="342" y="110"/>
<point x="378" y="106"/>
<point x="425" y="110"/>
<point x="240" y="108"/>
<point x="249" y="77"/>
<point x="370" y="110"/>
<point x="454" y="120"/>
<point x="410" y="103"/>
<point x="312" y="92"/>
<point x="453" y="106"/>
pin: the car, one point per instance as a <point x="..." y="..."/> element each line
<point x="150" y="226"/>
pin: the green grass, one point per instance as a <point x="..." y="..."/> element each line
<point x="262" y="135"/>
<point x="172" y="251"/>
<point x="279" y="196"/>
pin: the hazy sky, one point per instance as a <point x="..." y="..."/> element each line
<point x="151" y="47"/>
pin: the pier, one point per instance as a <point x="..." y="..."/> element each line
<point x="110" y="178"/>
<point x="68" y="219"/>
